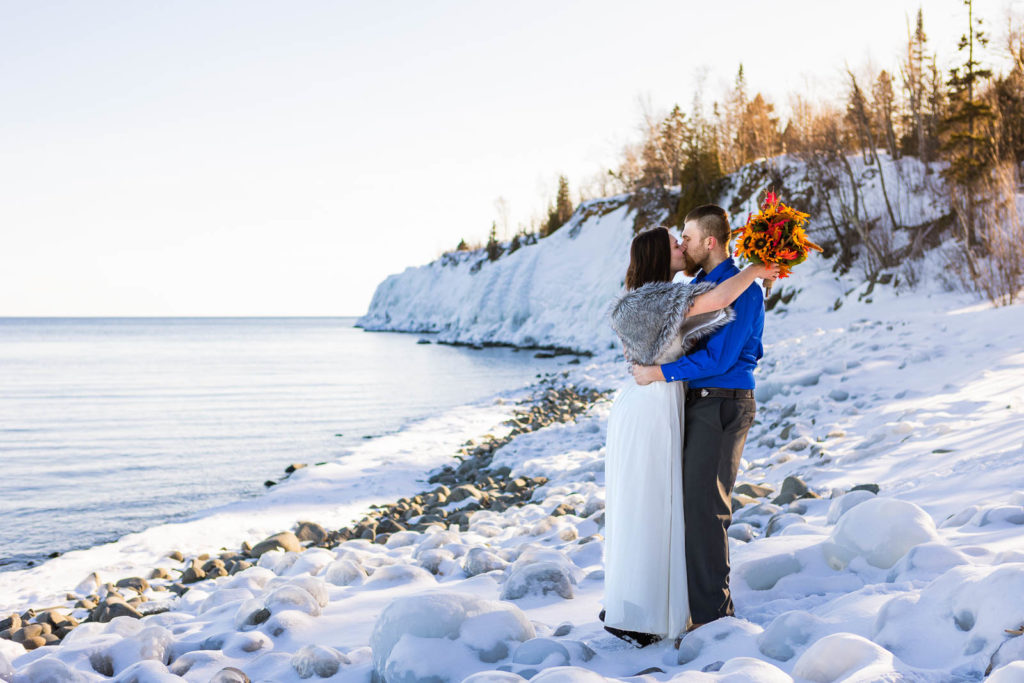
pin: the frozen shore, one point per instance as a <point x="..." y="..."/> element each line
<point x="921" y="394"/>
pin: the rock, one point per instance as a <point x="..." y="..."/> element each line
<point x="136" y="583"/>
<point x="12" y="622"/>
<point x="285" y="540"/>
<point x="291" y="597"/>
<point x="318" y="660"/>
<point x="754" y="490"/>
<point x="389" y="526"/>
<point x="33" y="642"/>
<point x="311" y="531"/>
<point x="176" y="555"/>
<point x="160" y="573"/>
<point x="741" y="500"/>
<point x="479" y="560"/>
<point x="538" y="578"/>
<point x="742" y="531"/>
<point x="230" y="675"/>
<point x="793" y="488"/>
<point x="344" y="572"/>
<point x="193" y="574"/>
<point x="434" y="559"/>
<point x="460" y="493"/>
<point x="563" y="629"/>
<point x="112" y="608"/>
<point x="294" y="467"/>
<point x="56" y="619"/>
<point x="873" y="488"/>
<point x="541" y="651"/>
<point x="85" y="603"/>
<point x="27" y="631"/>
<point x="782" y="520"/>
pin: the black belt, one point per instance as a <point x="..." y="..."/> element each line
<point x="711" y="392"/>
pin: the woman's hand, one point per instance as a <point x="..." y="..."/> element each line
<point x="766" y="271"/>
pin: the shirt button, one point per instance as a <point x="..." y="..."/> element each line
<point x="703" y="392"/>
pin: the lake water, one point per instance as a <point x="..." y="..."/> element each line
<point x="111" y="425"/>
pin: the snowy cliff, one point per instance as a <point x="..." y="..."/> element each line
<point x="555" y="292"/>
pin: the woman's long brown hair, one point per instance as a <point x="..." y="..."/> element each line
<point x="649" y="259"/>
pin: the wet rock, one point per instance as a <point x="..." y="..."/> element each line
<point x="311" y="532"/>
<point x="754" y="490"/>
<point x="793" y="488"/>
<point x="136" y="583"/>
<point x="112" y="608"/>
<point x="285" y="540"/>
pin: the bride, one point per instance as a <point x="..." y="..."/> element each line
<point x="658" y="321"/>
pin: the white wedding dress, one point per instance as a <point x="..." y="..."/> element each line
<point x="645" y="560"/>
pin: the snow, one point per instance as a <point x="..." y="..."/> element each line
<point x="918" y="391"/>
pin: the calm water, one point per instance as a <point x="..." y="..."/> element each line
<point x="109" y="426"/>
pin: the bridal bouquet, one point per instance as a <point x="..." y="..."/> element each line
<point x="775" y="234"/>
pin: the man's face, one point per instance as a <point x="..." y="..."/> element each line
<point x="695" y="248"/>
<point x="677" y="261"/>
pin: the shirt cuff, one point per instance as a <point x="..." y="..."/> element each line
<point x="671" y="374"/>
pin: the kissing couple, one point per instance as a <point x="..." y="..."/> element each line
<point x="677" y="428"/>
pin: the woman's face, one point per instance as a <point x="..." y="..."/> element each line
<point x="677" y="259"/>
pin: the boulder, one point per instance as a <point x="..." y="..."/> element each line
<point x="286" y="541"/>
<point x="311" y="532"/>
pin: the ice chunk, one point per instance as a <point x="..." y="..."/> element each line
<point x="545" y="652"/>
<point x="491" y="633"/>
<point x="395" y="574"/>
<point x="1011" y="673"/>
<point x="344" y="573"/>
<point x="318" y="660"/>
<point x="152" y="642"/>
<point x="845" y="503"/>
<point x="292" y="598"/>
<point x="540" y="571"/>
<point x="845" y="657"/>
<point x="479" y="560"/>
<point x="311" y="561"/>
<point x="568" y="674"/>
<point x="314" y="586"/>
<point x="430" y="623"/>
<point x="787" y="632"/>
<point x="763" y="574"/>
<point x="880" y="530"/>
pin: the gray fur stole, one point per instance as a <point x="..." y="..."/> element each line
<point x="648" y="319"/>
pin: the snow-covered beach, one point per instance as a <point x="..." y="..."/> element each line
<point x="918" y="392"/>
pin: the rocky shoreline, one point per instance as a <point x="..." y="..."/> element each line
<point x="459" y="491"/>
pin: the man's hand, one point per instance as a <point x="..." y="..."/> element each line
<point x="645" y="374"/>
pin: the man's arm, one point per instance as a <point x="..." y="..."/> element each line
<point x="719" y="354"/>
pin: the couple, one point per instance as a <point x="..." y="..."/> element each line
<point x="677" y="429"/>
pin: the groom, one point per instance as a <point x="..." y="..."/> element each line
<point x="719" y="410"/>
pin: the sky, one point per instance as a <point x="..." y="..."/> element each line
<point x="248" y="157"/>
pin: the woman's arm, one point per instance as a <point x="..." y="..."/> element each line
<point x="730" y="290"/>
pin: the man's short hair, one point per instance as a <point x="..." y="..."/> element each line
<point x="713" y="221"/>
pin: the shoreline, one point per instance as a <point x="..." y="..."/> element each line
<point x="459" y="491"/>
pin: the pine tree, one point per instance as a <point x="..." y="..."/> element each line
<point x="884" y="105"/>
<point x="969" y="142"/>
<point x="560" y="211"/>
<point x="493" y="247"/>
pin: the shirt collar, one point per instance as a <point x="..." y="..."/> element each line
<point x="722" y="271"/>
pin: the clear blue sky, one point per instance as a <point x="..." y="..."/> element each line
<point x="281" y="158"/>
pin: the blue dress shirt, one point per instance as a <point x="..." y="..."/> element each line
<point x="727" y="359"/>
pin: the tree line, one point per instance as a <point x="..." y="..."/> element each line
<point x="965" y="122"/>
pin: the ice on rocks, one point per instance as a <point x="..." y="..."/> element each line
<point x="480" y="560"/>
<point x="398" y="574"/>
<point x="311" y="562"/>
<point x="437" y="624"/>
<point x="344" y="573"/>
<point x="787" y="633"/>
<point x="763" y="574"/>
<point x="881" y="530"/>
<point x="1011" y="673"/>
<point x="493" y="677"/>
<point x="277" y="561"/>
<point x="314" y="586"/>
<point x="926" y="562"/>
<point x="318" y="660"/>
<point x="541" y="652"/>
<point x="845" y="657"/>
<point x="292" y="597"/>
<point x="568" y="674"/>
<point x="540" y="571"/>
<point x="845" y="503"/>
